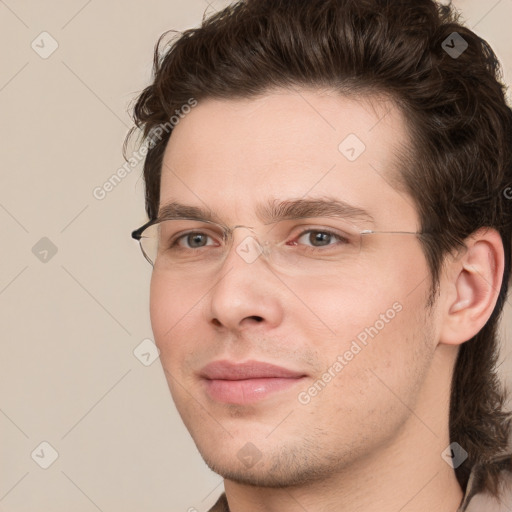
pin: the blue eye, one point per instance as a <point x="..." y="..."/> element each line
<point x="322" y="236"/>
<point x="192" y="238"/>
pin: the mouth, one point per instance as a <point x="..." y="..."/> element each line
<point x="249" y="382"/>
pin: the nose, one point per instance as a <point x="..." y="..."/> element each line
<point x="246" y="245"/>
<point x="249" y="246"/>
<point x="243" y="296"/>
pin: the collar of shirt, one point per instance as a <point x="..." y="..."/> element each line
<point x="474" y="500"/>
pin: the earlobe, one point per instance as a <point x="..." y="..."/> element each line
<point x="472" y="283"/>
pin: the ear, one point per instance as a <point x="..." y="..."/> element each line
<point x="470" y="287"/>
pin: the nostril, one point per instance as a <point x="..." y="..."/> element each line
<point x="217" y="322"/>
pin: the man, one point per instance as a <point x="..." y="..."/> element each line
<point x="330" y="233"/>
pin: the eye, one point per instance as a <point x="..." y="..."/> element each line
<point x="323" y="237"/>
<point x="193" y="239"/>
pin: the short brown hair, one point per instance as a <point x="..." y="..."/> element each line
<point x="457" y="171"/>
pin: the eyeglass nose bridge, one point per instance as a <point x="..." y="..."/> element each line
<point x="251" y="247"/>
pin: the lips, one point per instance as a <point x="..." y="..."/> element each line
<point x="246" y="382"/>
<point x="225" y="370"/>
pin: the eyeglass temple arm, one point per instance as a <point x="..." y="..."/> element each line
<point x="136" y="234"/>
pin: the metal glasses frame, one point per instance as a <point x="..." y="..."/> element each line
<point x="137" y="233"/>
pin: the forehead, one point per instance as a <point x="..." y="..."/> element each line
<point x="231" y="155"/>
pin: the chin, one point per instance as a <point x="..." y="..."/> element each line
<point x="279" y="470"/>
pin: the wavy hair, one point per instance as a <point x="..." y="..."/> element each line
<point x="457" y="170"/>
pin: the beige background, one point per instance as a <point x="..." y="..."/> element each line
<point x="70" y="324"/>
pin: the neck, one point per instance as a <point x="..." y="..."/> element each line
<point x="422" y="486"/>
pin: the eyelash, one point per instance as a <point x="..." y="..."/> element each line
<point x="342" y="239"/>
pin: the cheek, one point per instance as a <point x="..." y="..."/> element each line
<point x="170" y="304"/>
<point x="172" y="322"/>
<point x="347" y="307"/>
<point x="159" y="307"/>
<point x="380" y="361"/>
<point x="378" y="323"/>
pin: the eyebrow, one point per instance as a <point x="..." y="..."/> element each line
<point x="274" y="210"/>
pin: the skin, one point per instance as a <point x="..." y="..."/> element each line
<point x="372" y="439"/>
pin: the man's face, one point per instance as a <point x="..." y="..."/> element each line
<point x="359" y="343"/>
